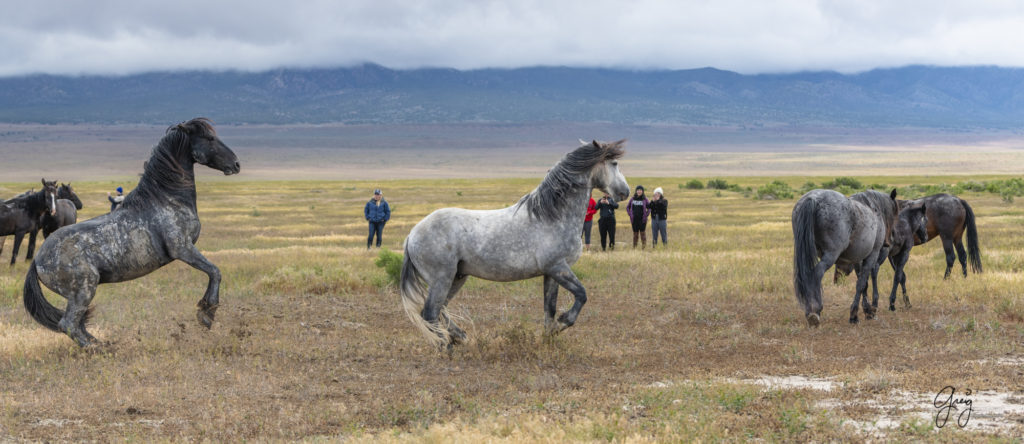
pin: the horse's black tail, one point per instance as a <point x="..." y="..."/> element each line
<point x="973" y="250"/>
<point x="805" y="254"/>
<point x="37" y="305"/>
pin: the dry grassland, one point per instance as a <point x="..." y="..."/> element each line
<point x="311" y="344"/>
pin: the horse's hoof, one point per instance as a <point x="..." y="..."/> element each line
<point x="854" y="320"/>
<point x="564" y="322"/>
<point x="892" y="307"/>
<point x="457" y="336"/>
<point x="205" y="317"/>
<point x="813" y="320"/>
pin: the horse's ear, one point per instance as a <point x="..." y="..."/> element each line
<point x="923" y="209"/>
<point x="892" y="195"/>
<point x="596" y="144"/>
<point x="43" y="180"/>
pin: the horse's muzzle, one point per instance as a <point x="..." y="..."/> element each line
<point x="234" y="169"/>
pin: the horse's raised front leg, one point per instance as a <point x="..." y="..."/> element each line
<point x="550" y="305"/>
<point x="211" y="299"/>
<point x="564" y="276"/>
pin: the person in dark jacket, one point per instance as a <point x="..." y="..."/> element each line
<point x="638" y="208"/>
<point x="377" y="213"/>
<point x="116" y="201"/>
<point x="659" y="214"/>
<point x="606" y="224"/>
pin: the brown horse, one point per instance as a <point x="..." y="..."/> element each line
<point x="948" y="218"/>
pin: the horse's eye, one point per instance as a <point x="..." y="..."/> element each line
<point x="615" y="163"/>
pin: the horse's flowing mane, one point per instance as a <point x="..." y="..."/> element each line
<point x="881" y="203"/>
<point x="164" y="173"/>
<point x="569" y="174"/>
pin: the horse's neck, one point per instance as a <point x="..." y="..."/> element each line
<point x="184" y="196"/>
<point x="576" y="203"/>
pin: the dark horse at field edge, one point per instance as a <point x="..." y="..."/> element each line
<point x="948" y="218"/>
<point x="21" y="215"/>
<point x="66" y="213"/>
<point x="157" y="224"/>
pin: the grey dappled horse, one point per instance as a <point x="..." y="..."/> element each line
<point x="838" y="230"/>
<point x="157" y="224"/>
<point x="948" y="218"/>
<point x="538" y="236"/>
<point x="912" y="223"/>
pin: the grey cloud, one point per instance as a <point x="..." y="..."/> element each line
<point x="120" y="36"/>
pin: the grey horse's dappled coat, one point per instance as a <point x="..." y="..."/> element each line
<point x="157" y="224"/>
<point x="838" y="230"/>
<point x="538" y="236"/>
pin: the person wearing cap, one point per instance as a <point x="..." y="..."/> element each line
<point x="116" y="201"/>
<point x="606" y="224"/>
<point x="659" y="214"/>
<point x="377" y="213"/>
<point x="588" y="222"/>
<point x="638" y="208"/>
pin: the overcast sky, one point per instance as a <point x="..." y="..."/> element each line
<point x="748" y="36"/>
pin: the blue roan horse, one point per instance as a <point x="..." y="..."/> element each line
<point x="841" y="231"/>
<point x="538" y="236"/>
<point x="157" y="224"/>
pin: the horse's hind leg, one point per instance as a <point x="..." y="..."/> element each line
<point x="947" y="246"/>
<point x="564" y="276"/>
<point x="961" y="254"/>
<point x="813" y="305"/>
<point x="77" y="314"/>
<point x="457" y="335"/>
<point x="862" y="288"/>
<point x="435" y="305"/>
<point x="550" y="305"/>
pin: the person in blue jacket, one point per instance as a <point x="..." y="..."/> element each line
<point x="378" y="213"/>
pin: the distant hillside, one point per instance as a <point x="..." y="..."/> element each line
<point x="917" y="96"/>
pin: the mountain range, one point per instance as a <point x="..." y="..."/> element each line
<point x="951" y="98"/>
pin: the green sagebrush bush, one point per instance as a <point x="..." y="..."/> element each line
<point x="391" y="262"/>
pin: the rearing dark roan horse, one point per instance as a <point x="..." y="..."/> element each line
<point x="157" y="224"/>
